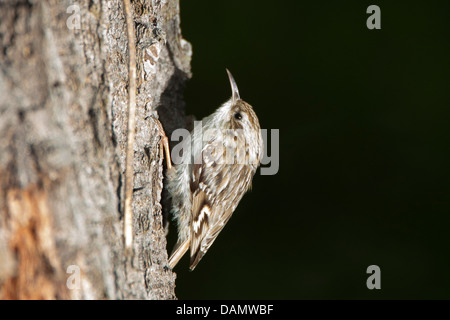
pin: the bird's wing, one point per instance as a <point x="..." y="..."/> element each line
<point x="203" y="200"/>
<point x="201" y="244"/>
<point x="217" y="187"/>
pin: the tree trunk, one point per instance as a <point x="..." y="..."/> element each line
<point x="63" y="131"/>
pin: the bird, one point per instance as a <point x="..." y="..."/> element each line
<point x="218" y="168"/>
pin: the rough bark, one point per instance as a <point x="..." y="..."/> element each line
<point x="63" y="127"/>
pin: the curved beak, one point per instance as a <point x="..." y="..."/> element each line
<point x="234" y="88"/>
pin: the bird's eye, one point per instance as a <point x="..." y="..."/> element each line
<point x="238" y="116"/>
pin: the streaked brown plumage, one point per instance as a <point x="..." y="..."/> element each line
<point x="207" y="187"/>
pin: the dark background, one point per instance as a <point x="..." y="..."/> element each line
<point x="364" y="138"/>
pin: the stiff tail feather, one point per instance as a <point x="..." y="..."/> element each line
<point x="178" y="252"/>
